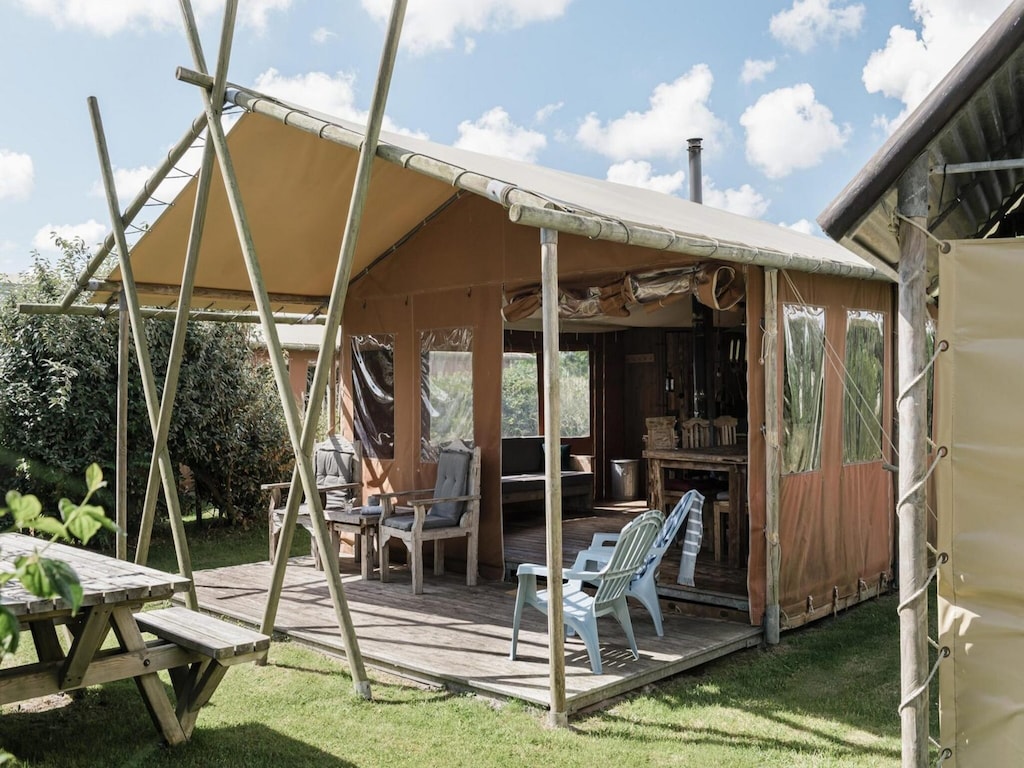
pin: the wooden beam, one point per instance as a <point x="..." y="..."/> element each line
<point x="141" y="345"/>
<point x="773" y="447"/>
<point x="557" y="715"/>
<point x="911" y="405"/>
<point x="154" y="313"/>
<point x="121" y="467"/>
<point x="158" y="289"/>
<point x="275" y="353"/>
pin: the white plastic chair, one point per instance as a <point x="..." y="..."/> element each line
<point x="644" y="584"/>
<point x="580" y="611"/>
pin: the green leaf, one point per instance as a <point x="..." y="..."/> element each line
<point x="94" y="478"/>
<point x="66" y="507"/>
<point x="63" y="581"/>
<point x="10" y="631"/>
<point x="49" y="525"/>
<point x="25" y="509"/>
<point x="85" y="521"/>
<point x="32" y="576"/>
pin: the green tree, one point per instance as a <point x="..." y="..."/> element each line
<point x="58" y="379"/>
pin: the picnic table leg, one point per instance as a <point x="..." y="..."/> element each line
<point x="150" y="686"/>
<point x="44" y="637"/>
<point x="88" y="638"/>
<point x="205" y="679"/>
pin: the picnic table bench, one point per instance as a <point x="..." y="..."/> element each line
<point x="196" y="649"/>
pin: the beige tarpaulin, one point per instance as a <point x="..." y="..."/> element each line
<point x="980" y="419"/>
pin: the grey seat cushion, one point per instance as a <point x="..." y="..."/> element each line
<point x="452" y="480"/>
<point x="404" y="518"/>
<point x="333" y="466"/>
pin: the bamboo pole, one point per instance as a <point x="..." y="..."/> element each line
<point x="339" y="290"/>
<point x="275" y="353"/>
<point x="175" y="355"/>
<point x="141" y="345"/>
<point x="159" y="289"/>
<point x="913" y="204"/>
<point x="773" y="559"/>
<point x="557" y="717"/>
<point x="121" y="505"/>
<point x="599" y="228"/>
<point x="173" y="156"/>
<point x="154" y="313"/>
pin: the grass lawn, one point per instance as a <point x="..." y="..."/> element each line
<point x="826" y="696"/>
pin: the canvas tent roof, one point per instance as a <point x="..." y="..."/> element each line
<point x="296" y="188"/>
<point x="973" y="115"/>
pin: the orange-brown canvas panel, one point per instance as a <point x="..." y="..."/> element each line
<point x="756" y="561"/>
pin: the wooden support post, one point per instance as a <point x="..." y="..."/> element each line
<point x="174" y="365"/>
<point x="141" y="345"/>
<point x="325" y="359"/>
<point x="773" y="559"/>
<point x="121" y="469"/>
<point x="304" y="468"/>
<point x="553" y="474"/>
<point x="913" y="204"/>
<point x="156" y="313"/>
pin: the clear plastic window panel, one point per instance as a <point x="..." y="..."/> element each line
<point x="862" y="401"/>
<point x="803" y="387"/>
<point x="574" y="388"/>
<point x="520" y="396"/>
<point x="446" y="389"/>
<point x="373" y="394"/>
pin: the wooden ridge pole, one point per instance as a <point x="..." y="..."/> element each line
<point x="141" y="345"/>
<point x="557" y="715"/>
<point x="159" y="289"/>
<point x="302" y="460"/>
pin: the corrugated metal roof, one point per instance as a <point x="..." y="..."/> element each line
<point x="973" y="115"/>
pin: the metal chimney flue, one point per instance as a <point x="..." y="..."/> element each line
<point x="694" y="150"/>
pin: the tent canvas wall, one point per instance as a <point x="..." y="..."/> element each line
<point x="432" y="256"/>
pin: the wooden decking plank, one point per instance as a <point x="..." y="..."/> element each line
<point x="460" y="636"/>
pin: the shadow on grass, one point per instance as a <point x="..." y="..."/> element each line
<point x="109" y="727"/>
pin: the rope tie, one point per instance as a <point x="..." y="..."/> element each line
<point x="944" y="246"/>
<point x="940" y="347"/>
<point x="940" y="454"/>
<point x="943" y="653"/>
<point x="942" y="560"/>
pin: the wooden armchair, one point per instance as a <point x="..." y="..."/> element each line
<point x="451" y="509"/>
<point x="338" y="464"/>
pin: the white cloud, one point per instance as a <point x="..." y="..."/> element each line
<point x="107" y="18"/>
<point x="434" y="25"/>
<point x="322" y="92"/>
<point x="909" y="66"/>
<point x="494" y="133"/>
<point x="91" y="231"/>
<point x="17" y="175"/>
<point x="127" y="181"/>
<point x="803" y="225"/>
<point x="756" y="69"/>
<point x="745" y="201"/>
<point x="638" y="173"/>
<point x="789" y="129"/>
<point x="544" y="113"/>
<point x="321" y="35"/>
<point x="809" y="21"/>
<point x="678" y="111"/>
<point x="469" y="45"/>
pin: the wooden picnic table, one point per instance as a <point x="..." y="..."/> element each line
<point x="196" y="648"/>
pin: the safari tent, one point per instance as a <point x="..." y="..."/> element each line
<point x="450" y="245"/>
<point x="951" y="179"/>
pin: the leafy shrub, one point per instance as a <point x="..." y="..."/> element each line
<point x="58" y="384"/>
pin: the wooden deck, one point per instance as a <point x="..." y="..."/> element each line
<point x="459" y="636"/>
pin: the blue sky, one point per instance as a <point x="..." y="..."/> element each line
<point x="791" y="96"/>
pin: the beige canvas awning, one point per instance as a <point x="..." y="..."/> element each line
<point x="296" y="181"/>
